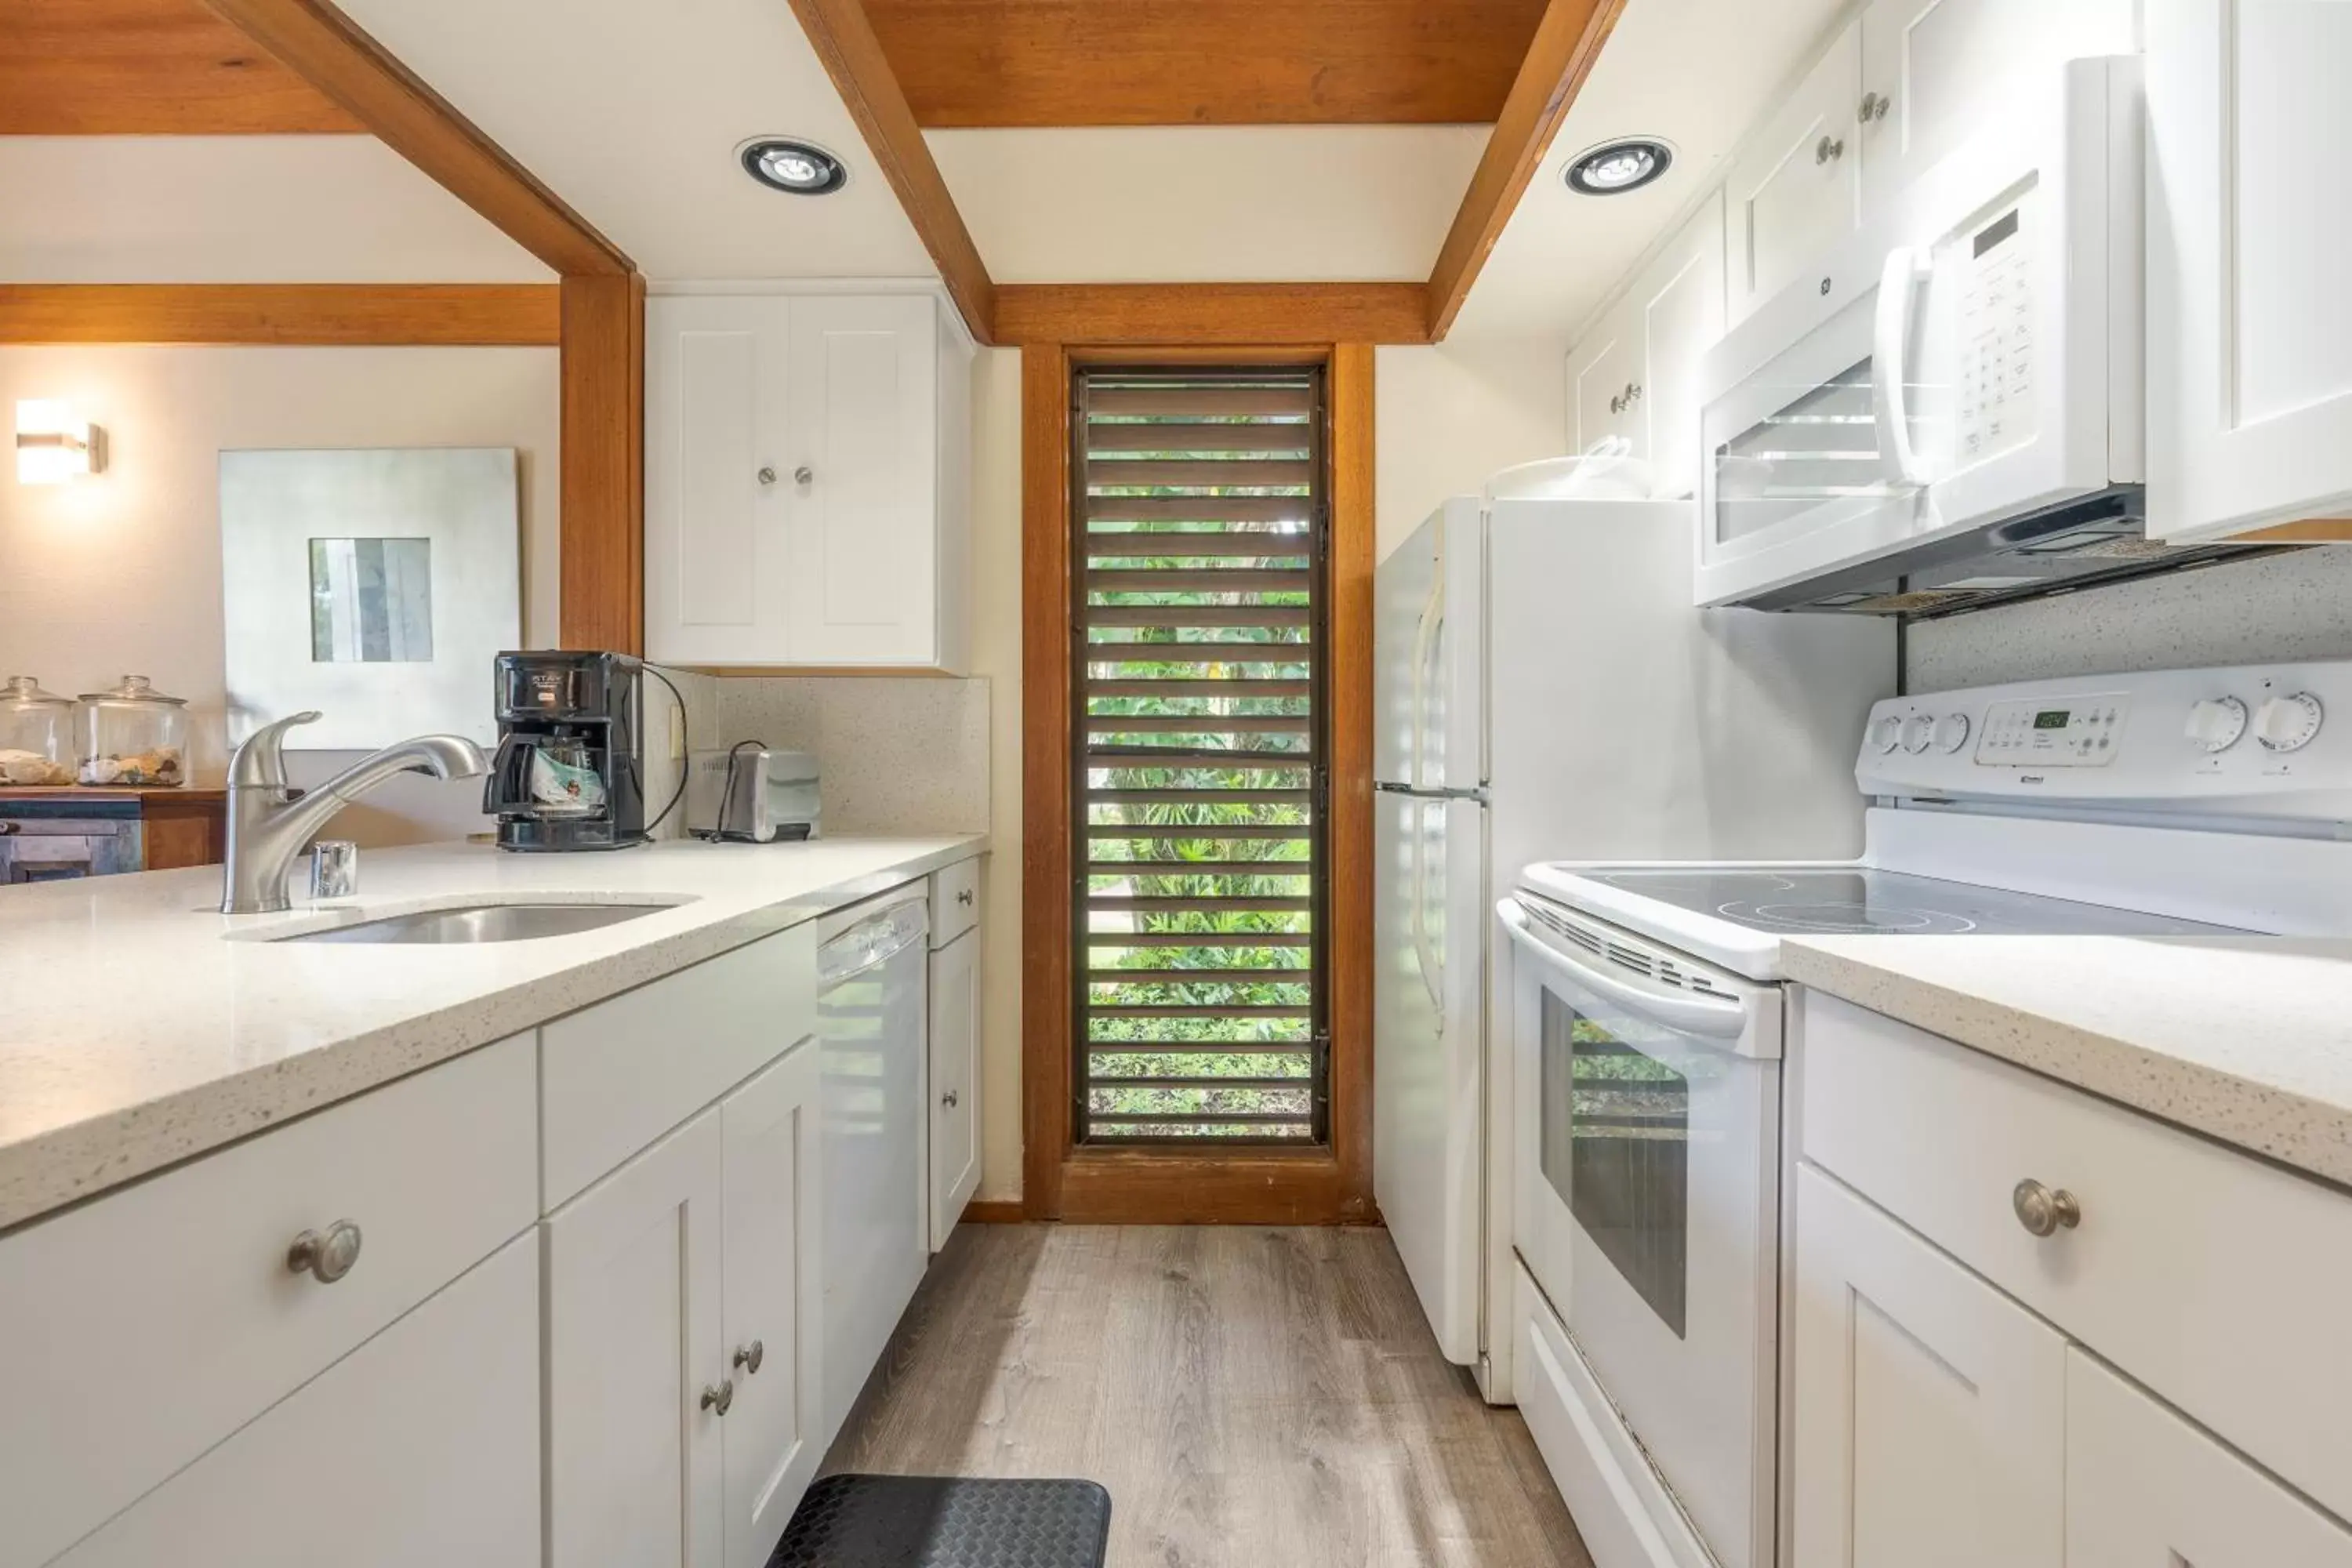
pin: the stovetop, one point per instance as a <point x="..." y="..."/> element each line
<point x="1866" y="902"/>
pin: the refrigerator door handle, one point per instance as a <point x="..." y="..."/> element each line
<point x="1423" y="952"/>
<point x="1432" y="616"/>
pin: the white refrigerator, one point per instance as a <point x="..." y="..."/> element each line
<point x="1545" y="690"/>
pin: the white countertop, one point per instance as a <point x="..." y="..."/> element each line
<point x="2247" y="1041"/>
<point x="138" y="1028"/>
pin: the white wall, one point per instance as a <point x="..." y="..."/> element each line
<point x="121" y="572"/>
<point x="996" y="654"/>
<point x="1448" y="416"/>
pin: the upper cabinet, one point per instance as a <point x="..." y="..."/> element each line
<point x="1635" y="377"/>
<point x="1796" y="189"/>
<point x="807" y="465"/>
<point x="2250" y="323"/>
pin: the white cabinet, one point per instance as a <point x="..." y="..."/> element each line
<point x="422" y="1445"/>
<point x="1797" y="188"/>
<point x="955" y="1082"/>
<point x="2248" y="320"/>
<point x="634" y="1362"/>
<point x="806" y="482"/>
<point x="1604" y="390"/>
<point x="2146" y="1489"/>
<point x="1635" y="376"/>
<point x="769" y="1302"/>
<point x="1929" y="1409"/>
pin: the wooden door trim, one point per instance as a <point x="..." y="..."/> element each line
<point x="1045" y="716"/>
<point x="326" y="49"/>
<point x="1348" y="905"/>
<point x="403" y="315"/>
<point x="602" y="511"/>
<point x="1212" y="315"/>
<point x="1567" y="42"/>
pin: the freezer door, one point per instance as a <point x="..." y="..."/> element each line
<point x="1430" y="961"/>
<point x="1403" y="586"/>
<point x="1428" y="644"/>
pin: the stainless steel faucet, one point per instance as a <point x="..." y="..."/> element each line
<point x="266" y="827"/>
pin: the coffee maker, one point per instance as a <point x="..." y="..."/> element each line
<point x="570" y="769"/>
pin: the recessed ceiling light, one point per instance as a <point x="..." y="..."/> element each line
<point x="784" y="163"/>
<point x="1615" y="167"/>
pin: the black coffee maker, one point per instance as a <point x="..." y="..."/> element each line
<point x="570" y="769"/>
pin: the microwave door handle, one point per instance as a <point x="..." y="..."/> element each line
<point x="1898" y="293"/>
<point x="1720" y="1019"/>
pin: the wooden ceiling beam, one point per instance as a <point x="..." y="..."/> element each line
<point x="1177" y="315"/>
<point x="343" y="315"/>
<point x="1566" y="45"/>
<point x="326" y="49"/>
<point x="1204" y="62"/>
<point x="145" y="68"/>
<point x="844" y="39"/>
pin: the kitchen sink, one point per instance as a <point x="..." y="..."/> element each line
<point x="483" y="922"/>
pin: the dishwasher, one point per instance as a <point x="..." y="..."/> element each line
<point x="873" y="1022"/>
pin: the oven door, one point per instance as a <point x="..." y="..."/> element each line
<point x="1646" y="1176"/>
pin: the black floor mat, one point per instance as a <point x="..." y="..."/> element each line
<point x="940" y="1522"/>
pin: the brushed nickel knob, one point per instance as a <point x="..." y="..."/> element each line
<point x="803" y="475"/>
<point x="1874" y="108"/>
<point x="767" y="475"/>
<point x="964" y="896"/>
<point x="749" y="1357"/>
<point x="721" y="1398"/>
<point x="2042" y="1210"/>
<point x="950" y="1100"/>
<point x="1827" y="148"/>
<point x="328" y="1257"/>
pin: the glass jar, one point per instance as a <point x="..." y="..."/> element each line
<point x="132" y="737"/>
<point x="36" y="734"/>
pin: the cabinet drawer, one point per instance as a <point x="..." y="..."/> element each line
<point x="149" y="1325"/>
<point x="2212" y="1278"/>
<point x="955" y="900"/>
<point x="420" y="1447"/>
<point x="617" y="1076"/>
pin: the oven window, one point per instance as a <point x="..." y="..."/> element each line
<point x="1616" y="1147"/>
<point x="1822" y="446"/>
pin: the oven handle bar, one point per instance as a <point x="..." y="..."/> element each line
<point x="1677" y="1010"/>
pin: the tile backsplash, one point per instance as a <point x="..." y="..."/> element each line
<point x="896" y="754"/>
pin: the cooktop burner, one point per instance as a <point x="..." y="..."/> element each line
<point x="1860" y="901"/>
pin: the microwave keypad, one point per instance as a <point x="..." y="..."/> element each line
<point x="1997" y="349"/>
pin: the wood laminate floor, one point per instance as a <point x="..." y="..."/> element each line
<point x="1253" y="1398"/>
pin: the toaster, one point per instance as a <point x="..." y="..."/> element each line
<point x="750" y="795"/>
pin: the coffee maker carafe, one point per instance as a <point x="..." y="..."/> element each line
<point x="569" y="771"/>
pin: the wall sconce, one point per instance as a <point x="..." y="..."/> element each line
<point x="53" y="444"/>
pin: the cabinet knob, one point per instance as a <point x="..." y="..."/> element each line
<point x="767" y="475"/>
<point x="721" y="1398"/>
<point x="1874" y="108"/>
<point x="963" y="896"/>
<point x="6" y="828"/>
<point x="328" y="1257"/>
<point x="950" y="1100"/>
<point x="2044" y="1210"/>
<point x="803" y="475"/>
<point x="749" y="1358"/>
<point x="1829" y="148"/>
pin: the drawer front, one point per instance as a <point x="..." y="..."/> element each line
<point x="2216" y="1280"/>
<point x="617" y="1076"/>
<point x="955" y="900"/>
<point x="147" y="1326"/>
<point x="420" y="1447"/>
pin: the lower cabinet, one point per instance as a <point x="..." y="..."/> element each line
<point x="420" y="1446"/>
<point x="1930" y="1409"/>
<point x="681" y="1377"/>
<point x="955" y="1082"/>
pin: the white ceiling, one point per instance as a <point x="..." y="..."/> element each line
<point x="633" y="113"/>
<point x="1209" y="203"/>
<point x="237" y="210"/>
<point x="1698" y="73"/>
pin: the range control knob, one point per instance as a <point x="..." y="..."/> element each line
<point x="2288" y="723"/>
<point x="1918" y="730"/>
<point x="1951" y="732"/>
<point x="1885" y="734"/>
<point x="2216" y="724"/>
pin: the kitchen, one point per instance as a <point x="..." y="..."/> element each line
<point x="1901" y="440"/>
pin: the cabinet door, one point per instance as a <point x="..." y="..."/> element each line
<point x="955" y="1082"/>
<point x="770" y="1302"/>
<point x="2248" y="320"/>
<point x="422" y="1445"/>
<point x="1605" y="378"/>
<point x="718" y="479"/>
<point x="1935" y="71"/>
<point x="1929" y="1409"/>
<point x="2146" y="1488"/>
<point x="1797" y="190"/>
<point x="633" y="1343"/>
<point x="864" y="418"/>
<point x="1681" y="302"/>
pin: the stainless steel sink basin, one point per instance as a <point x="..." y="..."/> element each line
<point x="484" y="922"/>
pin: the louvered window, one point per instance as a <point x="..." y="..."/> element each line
<point x="1200" y="522"/>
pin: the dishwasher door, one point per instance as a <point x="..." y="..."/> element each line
<point x="873" y="1019"/>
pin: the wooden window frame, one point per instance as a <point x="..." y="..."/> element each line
<point x="1324" y="1185"/>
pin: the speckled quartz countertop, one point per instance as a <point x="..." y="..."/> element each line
<point x="139" y="1027"/>
<point x="2247" y="1041"/>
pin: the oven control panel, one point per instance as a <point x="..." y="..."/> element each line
<point x="2251" y="741"/>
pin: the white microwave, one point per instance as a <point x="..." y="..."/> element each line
<point x="1971" y="357"/>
